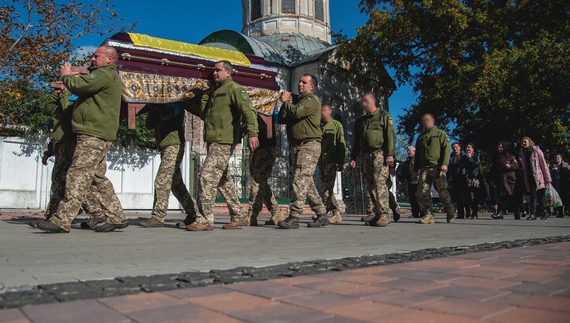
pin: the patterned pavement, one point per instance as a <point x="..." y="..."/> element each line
<point x="528" y="284"/>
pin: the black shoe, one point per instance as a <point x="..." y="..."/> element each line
<point x="560" y="216"/>
<point x="532" y="217"/>
<point x="367" y="218"/>
<point x="474" y="216"/>
<point x="189" y="220"/>
<point x="290" y="223"/>
<point x="34" y="223"/>
<point x="321" y="221"/>
<point x="517" y="216"/>
<point x="460" y="217"/>
<point x="498" y="216"/>
<point x="49" y="227"/>
<point x="109" y="227"/>
<point x="91" y="223"/>
<point x="396" y="215"/>
<point x="546" y="216"/>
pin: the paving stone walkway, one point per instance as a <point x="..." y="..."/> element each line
<point x="529" y="284"/>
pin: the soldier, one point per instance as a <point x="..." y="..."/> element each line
<point x="431" y="160"/>
<point x="333" y="152"/>
<point x="404" y="172"/>
<point x="261" y="162"/>
<point x="222" y="111"/>
<point x="168" y="124"/>
<point x="303" y="119"/>
<point x="95" y="120"/>
<point x="375" y="139"/>
<point x="59" y="106"/>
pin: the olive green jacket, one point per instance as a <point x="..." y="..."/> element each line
<point x="168" y="125"/>
<point x="303" y="119"/>
<point x="333" y="145"/>
<point x="222" y="112"/>
<point x="60" y="109"/>
<point x="97" y="109"/>
<point x="374" y="132"/>
<point x="432" y="149"/>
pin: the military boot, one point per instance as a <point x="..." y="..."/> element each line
<point x="290" y="223"/>
<point x="49" y="227"/>
<point x="189" y="220"/>
<point x="195" y="226"/>
<point x="427" y="219"/>
<point x="368" y="218"/>
<point x="110" y="227"/>
<point x="396" y="214"/>
<point x="92" y="222"/>
<point x="275" y="219"/>
<point x="34" y="223"/>
<point x="236" y="224"/>
<point x="153" y="222"/>
<point x="382" y="222"/>
<point x="451" y="216"/>
<point x="336" y="218"/>
<point x="321" y="221"/>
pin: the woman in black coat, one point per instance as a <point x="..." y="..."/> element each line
<point x="470" y="163"/>
<point x="506" y="180"/>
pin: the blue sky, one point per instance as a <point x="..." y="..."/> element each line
<point x="191" y="21"/>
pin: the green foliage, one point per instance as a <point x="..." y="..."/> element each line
<point x="141" y="137"/>
<point x="489" y="70"/>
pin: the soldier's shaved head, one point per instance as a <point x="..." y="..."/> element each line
<point x="104" y="55"/>
<point x="111" y="52"/>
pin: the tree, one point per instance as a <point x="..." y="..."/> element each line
<point x="488" y="70"/>
<point x="36" y="37"/>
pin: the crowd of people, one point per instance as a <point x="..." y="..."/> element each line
<point x="86" y="111"/>
<point x="516" y="182"/>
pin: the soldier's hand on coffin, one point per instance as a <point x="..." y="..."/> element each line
<point x="66" y="70"/>
<point x="286" y="96"/>
<point x="252" y="143"/>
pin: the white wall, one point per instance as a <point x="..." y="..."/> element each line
<point x="25" y="182"/>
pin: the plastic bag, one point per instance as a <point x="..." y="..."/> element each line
<point x="551" y="197"/>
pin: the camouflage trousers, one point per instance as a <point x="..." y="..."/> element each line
<point x="88" y="168"/>
<point x="327" y="175"/>
<point x="63" y="152"/>
<point x="304" y="158"/>
<point x="391" y="200"/>
<point x="261" y="163"/>
<point x="169" y="179"/>
<point x="427" y="177"/>
<point x="375" y="176"/>
<point x="215" y="175"/>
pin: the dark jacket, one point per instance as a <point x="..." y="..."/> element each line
<point x="470" y="166"/>
<point x="507" y="177"/>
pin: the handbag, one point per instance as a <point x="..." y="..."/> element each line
<point x="551" y="197"/>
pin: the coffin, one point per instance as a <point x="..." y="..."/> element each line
<point x="158" y="71"/>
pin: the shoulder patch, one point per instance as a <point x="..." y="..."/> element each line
<point x="244" y="94"/>
<point x="92" y="76"/>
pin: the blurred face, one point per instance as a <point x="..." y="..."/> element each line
<point x="368" y="103"/>
<point x="306" y="85"/>
<point x="220" y="72"/>
<point x="428" y="122"/>
<point x="100" y="58"/>
<point x="500" y="148"/>
<point x="469" y="149"/>
<point x="456" y="149"/>
<point x="558" y="160"/>
<point x="525" y="143"/>
<point x="411" y="152"/>
<point x="326" y="112"/>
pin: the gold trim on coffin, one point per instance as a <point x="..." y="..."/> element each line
<point x="162" y="89"/>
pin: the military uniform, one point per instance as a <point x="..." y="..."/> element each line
<point x="261" y="162"/>
<point x="62" y="146"/>
<point x="375" y="139"/>
<point x="333" y="152"/>
<point x="168" y="124"/>
<point x="222" y="112"/>
<point x="432" y="152"/>
<point x="304" y="133"/>
<point x="95" y="120"/>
